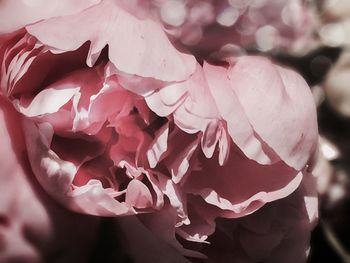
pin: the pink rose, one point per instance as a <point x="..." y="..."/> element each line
<point x="33" y="228"/>
<point x="116" y="121"/>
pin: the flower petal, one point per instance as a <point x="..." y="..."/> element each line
<point x="241" y="185"/>
<point x="136" y="46"/>
<point x="231" y="110"/>
<point x="31" y="11"/>
<point x="158" y="146"/>
<point x="47" y="101"/>
<point x="279" y="106"/>
<point x="138" y="195"/>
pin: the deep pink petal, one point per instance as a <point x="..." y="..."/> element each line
<point x="241" y="185"/>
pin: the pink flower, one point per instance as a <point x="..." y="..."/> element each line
<point x="33" y="228"/>
<point x="116" y="121"/>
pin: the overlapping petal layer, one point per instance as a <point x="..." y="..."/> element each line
<point x="118" y="122"/>
<point x="137" y="45"/>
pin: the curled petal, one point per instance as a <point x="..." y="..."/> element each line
<point x="138" y="195"/>
<point x="57" y="177"/>
<point x="47" y="101"/>
<point x="241" y="185"/>
<point x="231" y="110"/>
<point x="158" y="146"/>
<point x="166" y="100"/>
<point x="30" y="11"/>
<point x="136" y="46"/>
<point x="251" y="204"/>
<point x="278" y="232"/>
<point x="180" y="166"/>
<point x="280" y="97"/>
<point x="53" y="173"/>
<point x="193" y="108"/>
<point x="92" y="198"/>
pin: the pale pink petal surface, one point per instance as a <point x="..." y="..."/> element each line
<point x="280" y="97"/>
<point x="31" y="11"/>
<point x="136" y="46"/>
